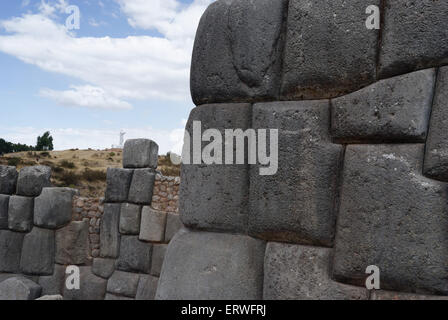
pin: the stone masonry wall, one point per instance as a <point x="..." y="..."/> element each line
<point x="363" y="153"/>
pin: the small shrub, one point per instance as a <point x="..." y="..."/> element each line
<point x="57" y="169"/>
<point x="14" y="162"/>
<point x="69" y="178"/>
<point x="94" y="175"/>
<point x="45" y="154"/>
<point x="67" y="164"/>
<point x="112" y="154"/>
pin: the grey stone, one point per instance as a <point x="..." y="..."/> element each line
<point x="32" y="180"/>
<point x="72" y="243"/>
<point x="103" y="267"/>
<point x="153" y="225"/>
<point x="38" y="252"/>
<point x="20" y="213"/>
<point x="142" y="186"/>
<point x="130" y="216"/>
<point x="135" y="255"/>
<point x="173" y="225"/>
<point x="392" y="110"/>
<point x="4" y="204"/>
<point x="147" y="288"/>
<point x="10" y="251"/>
<point x="215" y="266"/>
<point x="53" y="208"/>
<point x="297" y="203"/>
<point x="118" y="183"/>
<point x="329" y="51"/>
<point x="53" y="284"/>
<point x="436" y="156"/>
<point x="140" y="153"/>
<point x="8" y="180"/>
<point x="91" y="287"/>
<point x="55" y="297"/>
<point x="158" y="255"/>
<point x="123" y="283"/>
<point x="392" y="217"/>
<point x="237" y="51"/>
<point x="390" y="295"/>
<point x="201" y="183"/>
<point x="109" y="235"/>
<point x="114" y="297"/>
<point x="414" y="36"/>
<point x="19" y="288"/>
<point x="294" y="272"/>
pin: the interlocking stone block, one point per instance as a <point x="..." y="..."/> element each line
<point x="297" y="203"/>
<point x="142" y="186"/>
<point x="118" y="184"/>
<point x="216" y="266"/>
<point x="173" y="225"/>
<point x="55" y="283"/>
<point x="4" y="204"/>
<point x="392" y="217"/>
<point x="135" y="255"/>
<point x="147" y="288"/>
<point x="19" y="288"/>
<point x="91" y="287"/>
<point x="140" y="153"/>
<point x="329" y="51"/>
<point x="53" y="208"/>
<point x="237" y="52"/>
<point x="436" y="156"/>
<point x="38" y="252"/>
<point x="32" y="180"/>
<point x="123" y="283"/>
<point x="201" y="208"/>
<point x="113" y="297"/>
<point x="10" y="251"/>
<point x="414" y="36"/>
<point x="392" y="110"/>
<point x="109" y="234"/>
<point x="103" y="267"/>
<point x="153" y="225"/>
<point x="8" y="180"/>
<point x="72" y="243"/>
<point x="294" y="272"/>
<point x="158" y="255"/>
<point x="130" y="216"/>
<point x="20" y="213"/>
<point x="390" y="295"/>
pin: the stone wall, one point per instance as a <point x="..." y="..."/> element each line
<point x="363" y="154"/>
<point x="166" y="194"/>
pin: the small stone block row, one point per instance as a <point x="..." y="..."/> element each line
<point x="131" y="185"/>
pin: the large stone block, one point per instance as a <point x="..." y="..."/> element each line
<point x="91" y="287"/>
<point x="215" y="266"/>
<point x="173" y="225"/>
<point x="20" y="213"/>
<point x="329" y="51"/>
<point x="10" y="251"/>
<point x="8" y="180"/>
<point x="109" y="234"/>
<point x="72" y="243"/>
<point x="103" y="267"/>
<point x="201" y="208"/>
<point x="4" y="204"/>
<point x="297" y="203"/>
<point x="32" y="180"/>
<point x="38" y="252"/>
<point x="436" y="156"/>
<point x="237" y="52"/>
<point x="153" y="225"/>
<point x="142" y="186"/>
<point x="53" y="208"/>
<point x="140" y="153"/>
<point x="135" y="255"/>
<point x="112" y="297"/>
<point x="392" y="110"/>
<point x="294" y="272"/>
<point x="147" y="288"/>
<point x="55" y="283"/>
<point x="158" y="255"/>
<point x="123" y="283"/>
<point x="392" y="217"/>
<point x="19" y="288"/>
<point x="414" y="36"/>
<point x="118" y="183"/>
<point x="130" y="216"/>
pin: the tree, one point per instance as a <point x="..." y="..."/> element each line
<point x="45" y="142"/>
<point x="5" y="147"/>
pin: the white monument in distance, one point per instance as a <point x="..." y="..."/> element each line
<point x="120" y="146"/>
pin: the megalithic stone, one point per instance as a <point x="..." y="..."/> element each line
<point x="38" y="252"/>
<point x="109" y="234"/>
<point x="20" y="213"/>
<point x="32" y="180"/>
<point x="53" y="208"/>
<point x="140" y="153"/>
<point x="8" y="180"/>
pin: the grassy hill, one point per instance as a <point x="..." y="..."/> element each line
<point x="84" y="170"/>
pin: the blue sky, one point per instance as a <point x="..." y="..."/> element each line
<point x="127" y="67"/>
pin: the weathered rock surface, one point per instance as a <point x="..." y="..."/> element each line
<point x="20" y="213"/>
<point x="91" y="287"/>
<point x="140" y="153"/>
<point x="103" y="267"/>
<point x="153" y="225"/>
<point x="38" y="252"/>
<point x="202" y="265"/>
<point x="10" y="251"/>
<point x="130" y="216"/>
<point x="123" y="283"/>
<point x="55" y="297"/>
<point x="32" y="180"/>
<point x="142" y="186"/>
<point x="54" y="284"/>
<point x="390" y="295"/>
<point x="72" y="243"/>
<point x="8" y="180"/>
<point x="113" y="297"/>
<point x="158" y="255"/>
<point x="397" y="221"/>
<point x="147" y="288"/>
<point x="391" y="110"/>
<point x="135" y="255"/>
<point x="19" y="288"/>
<point x="118" y="184"/>
<point x="53" y="208"/>
<point x="109" y="235"/>
<point x="4" y="204"/>
<point x="173" y="225"/>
